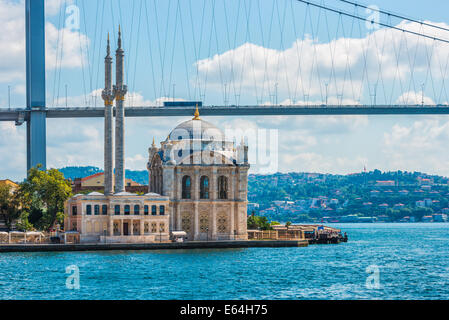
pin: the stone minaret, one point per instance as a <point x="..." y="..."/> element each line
<point x="108" y="97"/>
<point x="120" y="91"/>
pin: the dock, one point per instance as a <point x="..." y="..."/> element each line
<point x="153" y="246"/>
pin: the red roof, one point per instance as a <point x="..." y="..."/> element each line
<point x="93" y="176"/>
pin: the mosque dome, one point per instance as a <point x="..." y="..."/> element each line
<point x="196" y="129"/>
<point x="194" y="141"/>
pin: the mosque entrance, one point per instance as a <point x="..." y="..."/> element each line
<point x="125" y="229"/>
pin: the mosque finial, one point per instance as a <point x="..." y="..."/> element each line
<point x="119" y="37"/>
<point x="197" y="114"/>
<point x="108" y="47"/>
<point x="154" y="143"/>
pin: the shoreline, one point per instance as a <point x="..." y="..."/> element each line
<point x="152" y="246"/>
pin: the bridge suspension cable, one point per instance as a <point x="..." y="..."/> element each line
<point x="339" y="11"/>
<point x="273" y="52"/>
<point x="389" y="13"/>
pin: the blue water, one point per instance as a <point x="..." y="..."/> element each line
<point x="412" y="259"/>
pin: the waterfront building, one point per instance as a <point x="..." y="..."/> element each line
<point x="123" y="217"/>
<point x="206" y="179"/>
<point x="198" y="182"/>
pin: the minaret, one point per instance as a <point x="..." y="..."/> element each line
<point x="120" y="91"/>
<point x="108" y="97"/>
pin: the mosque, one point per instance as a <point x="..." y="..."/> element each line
<point x="197" y="182"/>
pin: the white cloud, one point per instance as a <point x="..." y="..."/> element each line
<point x="414" y="98"/>
<point x="12" y="37"/>
<point x="12" y="151"/>
<point x="345" y="70"/>
<point x="72" y="43"/>
<point x="12" y="57"/>
<point x="74" y="142"/>
<point x="136" y="162"/>
<point x="53" y="7"/>
<point x="421" y="146"/>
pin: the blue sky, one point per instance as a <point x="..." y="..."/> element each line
<point x="231" y="59"/>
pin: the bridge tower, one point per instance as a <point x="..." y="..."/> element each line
<point x="35" y="83"/>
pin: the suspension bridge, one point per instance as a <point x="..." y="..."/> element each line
<point x="346" y="58"/>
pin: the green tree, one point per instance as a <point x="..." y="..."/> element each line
<point x="256" y="222"/>
<point x="50" y="189"/>
<point x="23" y="224"/>
<point x="9" y="205"/>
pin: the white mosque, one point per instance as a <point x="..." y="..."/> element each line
<point x="197" y="182"/>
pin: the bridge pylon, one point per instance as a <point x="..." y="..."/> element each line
<point x="35" y="83"/>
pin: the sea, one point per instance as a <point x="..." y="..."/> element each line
<point x="380" y="261"/>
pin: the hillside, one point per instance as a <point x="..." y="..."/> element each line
<point x="312" y="196"/>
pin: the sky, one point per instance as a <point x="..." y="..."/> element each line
<point x="239" y="52"/>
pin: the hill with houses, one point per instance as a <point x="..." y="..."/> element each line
<point x="313" y="197"/>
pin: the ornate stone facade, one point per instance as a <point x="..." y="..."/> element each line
<point x="205" y="178"/>
<point x="120" y="218"/>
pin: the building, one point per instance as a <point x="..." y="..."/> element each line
<point x="374" y="193"/>
<point x="425" y="181"/>
<point x="123" y="217"/>
<point x="439" y="217"/>
<point x="10" y="183"/>
<point x="198" y="182"/>
<point x="386" y="183"/>
<point x="420" y="204"/>
<point x="206" y="179"/>
<point x="95" y="182"/>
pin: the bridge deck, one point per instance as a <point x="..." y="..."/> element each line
<point x="13" y="114"/>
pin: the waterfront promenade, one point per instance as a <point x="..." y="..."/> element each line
<point x="152" y="246"/>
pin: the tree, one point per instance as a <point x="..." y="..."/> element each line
<point x="50" y="189"/>
<point x="23" y="224"/>
<point x="9" y="205"/>
<point x="256" y="222"/>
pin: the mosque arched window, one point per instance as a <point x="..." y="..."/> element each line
<point x="186" y="187"/>
<point x="204" y="187"/>
<point x="136" y="209"/>
<point x="117" y="210"/>
<point x="127" y="209"/>
<point x="222" y="187"/>
<point x="97" y="210"/>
